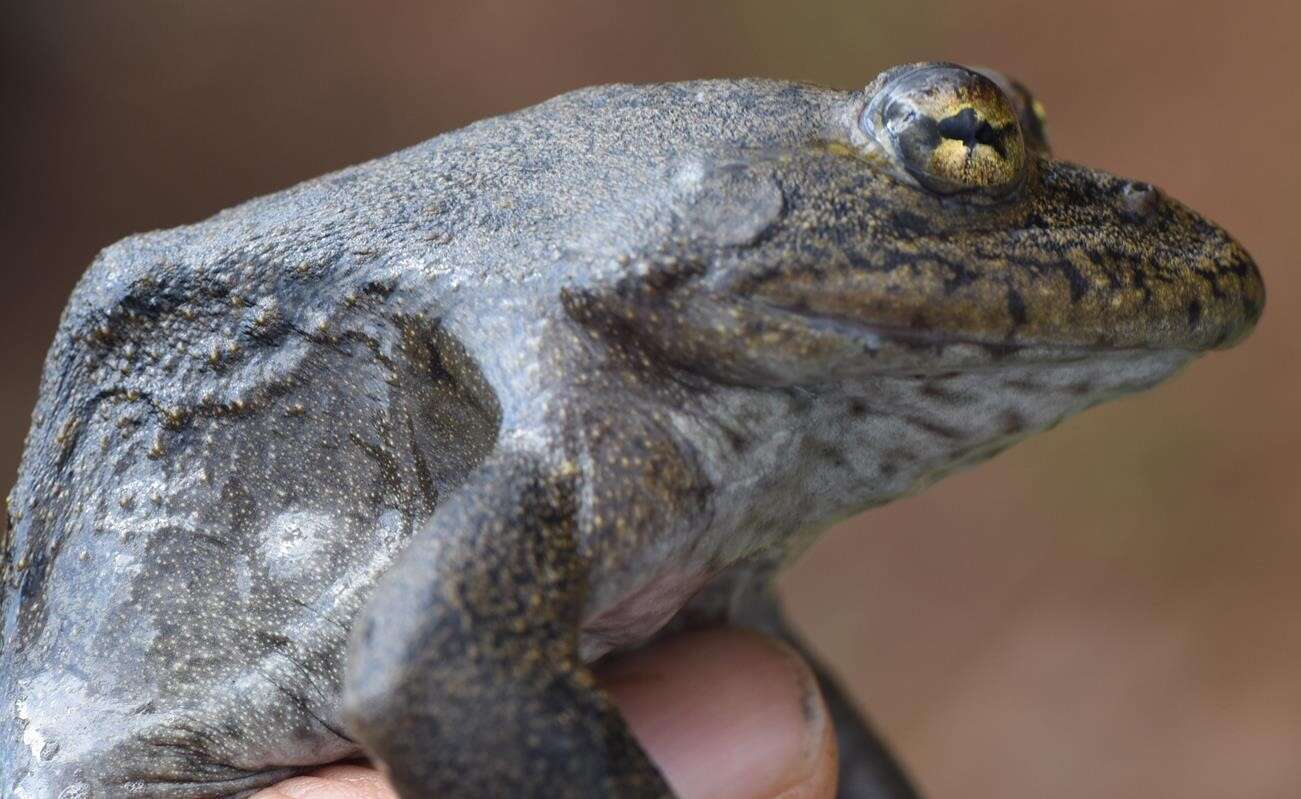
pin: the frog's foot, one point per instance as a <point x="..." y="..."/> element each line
<point x="465" y="678"/>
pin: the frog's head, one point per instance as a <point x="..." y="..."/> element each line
<point x="920" y="226"/>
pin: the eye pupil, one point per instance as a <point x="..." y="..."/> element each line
<point x="971" y="129"/>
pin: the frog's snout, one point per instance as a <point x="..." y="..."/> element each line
<point x="1241" y="311"/>
<point x="1108" y="263"/>
<point x="1201" y="288"/>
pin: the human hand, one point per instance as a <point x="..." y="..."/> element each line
<point x="726" y="714"/>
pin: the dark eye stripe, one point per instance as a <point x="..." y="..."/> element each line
<point x="971" y="129"/>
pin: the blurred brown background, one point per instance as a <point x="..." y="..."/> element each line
<point x="1109" y="610"/>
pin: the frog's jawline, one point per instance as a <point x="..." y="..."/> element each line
<point x="873" y="336"/>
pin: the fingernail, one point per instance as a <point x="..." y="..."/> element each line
<point x="728" y="714"/>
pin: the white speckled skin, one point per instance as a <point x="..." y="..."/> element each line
<point x="698" y="306"/>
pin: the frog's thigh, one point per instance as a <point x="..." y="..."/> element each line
<point x="464" y="677"/>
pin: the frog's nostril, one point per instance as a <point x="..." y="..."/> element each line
<point x="1139" y="199"/>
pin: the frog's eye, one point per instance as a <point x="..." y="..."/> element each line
<point x="950" y="128"/>
<point x="1029" y="111"/>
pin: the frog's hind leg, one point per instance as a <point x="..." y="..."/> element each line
<point x="867" y="768"/>
<point x="464" y="676"/>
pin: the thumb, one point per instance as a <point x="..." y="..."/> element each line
<point x="725" y="714"/>
<point x="728" y="714"/>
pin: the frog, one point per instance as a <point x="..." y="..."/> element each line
<point x="382" y="465"/>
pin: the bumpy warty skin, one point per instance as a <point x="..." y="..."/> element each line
<point x="704" y="300"/>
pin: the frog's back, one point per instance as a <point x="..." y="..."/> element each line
<point x="212" y="316"/>
<point x="242" y="420"/>
<point x="504" y="200"/>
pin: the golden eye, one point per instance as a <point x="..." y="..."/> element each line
<point x="1030" y="112"/>
<point x="950" y="128"/>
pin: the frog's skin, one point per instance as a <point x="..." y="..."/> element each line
<point x="381" y="463"/>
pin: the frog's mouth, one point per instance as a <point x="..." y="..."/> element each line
<point x="891" y="345"/>
<point x="755" y="342"/>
